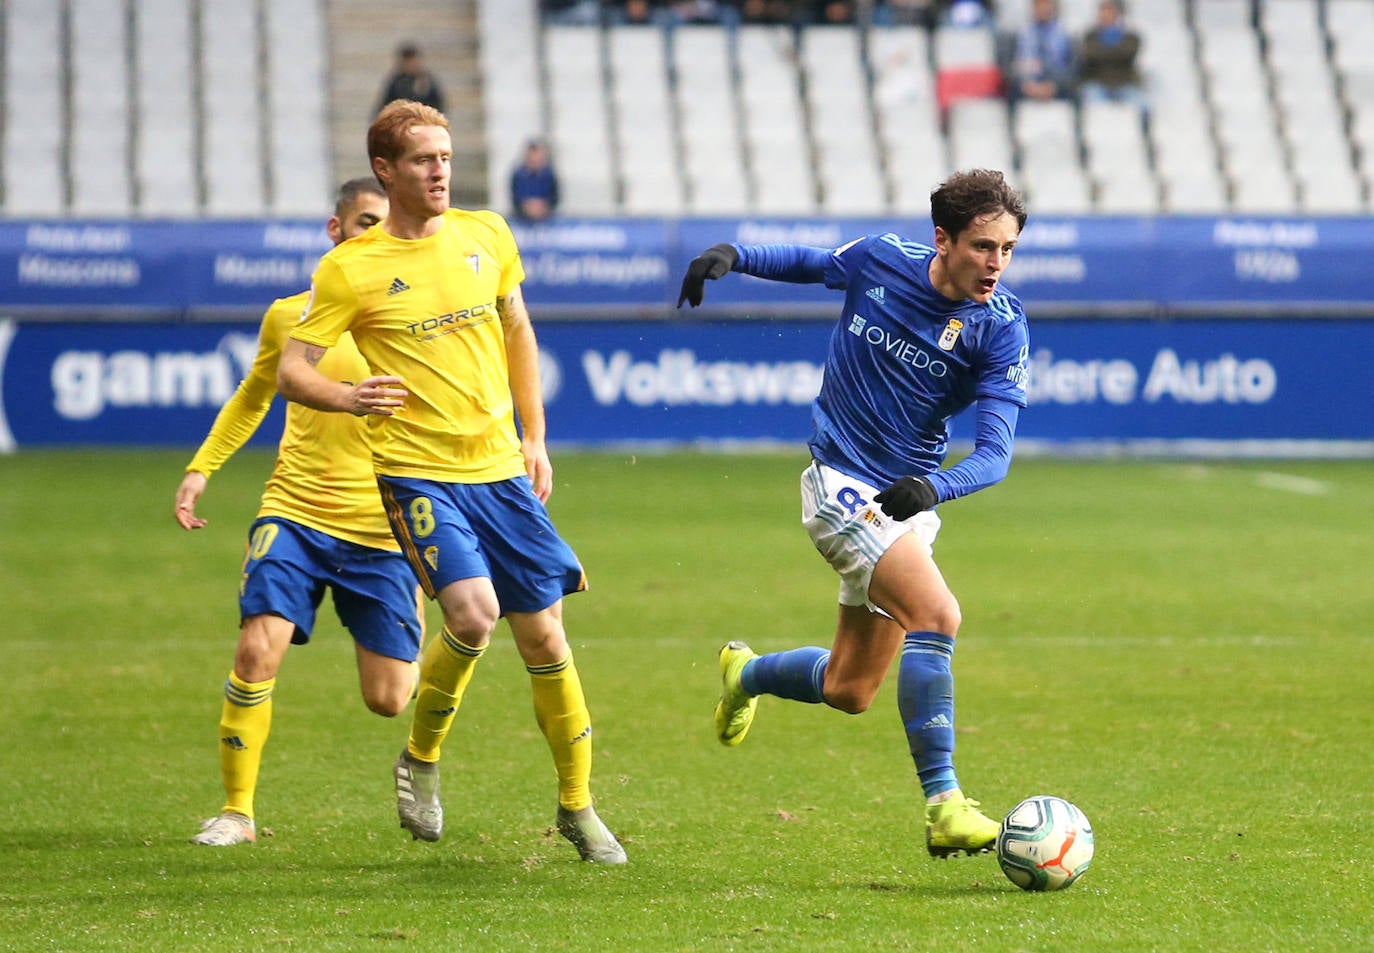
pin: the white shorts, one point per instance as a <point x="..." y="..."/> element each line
<point x="851" y="531"/>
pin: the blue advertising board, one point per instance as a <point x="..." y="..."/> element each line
<point x="121" y="383"/>
<point x="631" y="268"/>
<point x="1276" y="383"/>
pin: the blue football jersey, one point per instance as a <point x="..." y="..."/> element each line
<point x="904" y="359"/>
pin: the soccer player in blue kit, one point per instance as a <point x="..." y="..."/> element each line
<point x="925" y="332"/>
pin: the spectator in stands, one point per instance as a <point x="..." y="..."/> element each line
<point x="639" y="13"/>
<point x="781" y="12"/>
<point x="696" y="11"/>
<point x="1106" y="62"/>
<point x="904" y="13"/>
<point x="933" y="13"/>
<point x="832" y="12"/>
<point x="534" y="184"/>
<point x="411" y="79"/>
<point x="671" y="13"/>
<point x="967" y="13"/>
<point x="576" y="12"/>
<point x="1043" y="64"/>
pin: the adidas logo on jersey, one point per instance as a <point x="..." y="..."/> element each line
<point x="234" y="742"/>
<point x="878" y="294"/>
<point x="939" y="721"/>
<point x="397" y="286"/>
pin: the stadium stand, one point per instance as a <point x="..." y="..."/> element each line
<point x="1255" y="107"/>
<point x="841" y="119"/>
<point x="166" y="154"/>
<point x="100" y="115"/>
<point x="511" y="89"/>
<point x="231" y="110"/>
<point x="645" y="134"/>
<point x="708" y="121"/>
<point x="782" y="173"/>
<point x="207" y="108"/>
<point x="579" y="119"/>
<point x="296" y="128"/>
<point x="34" y="110"/>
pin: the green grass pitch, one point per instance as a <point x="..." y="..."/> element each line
<point x="1181" y="648"/>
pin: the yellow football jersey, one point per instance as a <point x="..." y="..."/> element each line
<point x="424" y="310"/>
<point x="323" y="476"/>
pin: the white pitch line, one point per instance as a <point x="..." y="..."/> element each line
<point x="1289" y="483"/>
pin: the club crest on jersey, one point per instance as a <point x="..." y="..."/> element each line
<point x="432" y="557"/>
<point x="475" y="261"/>
<point x="950" y="335"/>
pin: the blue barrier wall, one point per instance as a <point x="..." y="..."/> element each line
<point x="629" y="268"/>
<point x="1281" y="385"/>
<point x="1147" y="332"/>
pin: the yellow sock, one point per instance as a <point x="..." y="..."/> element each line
<point x="561" y="711"/>
<point x="445" y="670"/>
<point x="244" y="724"/>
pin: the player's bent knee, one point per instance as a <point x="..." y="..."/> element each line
<point x="852" y="700"/>
<point x="388" y="706"/>
<point x="943" y="619"/>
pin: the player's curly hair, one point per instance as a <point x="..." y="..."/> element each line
<point x="966" y="196"/>
<point x="386" y="135"/>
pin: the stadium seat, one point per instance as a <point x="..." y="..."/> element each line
<point x="34" y="176"/>
<point x="1266" y="190"/>
<point x="1200" y="193"/>
<point x="955" y="47"/>
<point x="900" y="60"/>
<point x="979" y="135"/>
<point x="1066" y="192"/>
<point x="955" y="84"/>
<point x="1224" y="16"/>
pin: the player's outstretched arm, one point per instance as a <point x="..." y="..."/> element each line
<point x="299" y="379"/>
<point x="192" y="486"/>
<point x="715" y="262"/>
<point x="238" y="419"/>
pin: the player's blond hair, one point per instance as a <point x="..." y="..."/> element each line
<point x="386" y="137"/>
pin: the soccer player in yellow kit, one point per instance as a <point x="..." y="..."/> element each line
<point x="432" y="298"/>
<point x="321" y="525"/>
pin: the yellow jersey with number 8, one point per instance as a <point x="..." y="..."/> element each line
<point x="424" y="310"/>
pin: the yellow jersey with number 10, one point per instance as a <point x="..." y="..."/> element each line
<point x="323" y="476"/>
<point x="424" y="310"/>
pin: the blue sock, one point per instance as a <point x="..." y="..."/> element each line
<point x="925" y="698"/>
<point x="798" y="674"/>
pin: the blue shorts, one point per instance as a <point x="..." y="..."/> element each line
<point x="452" y="531"/>
<point x="288" y="566"/>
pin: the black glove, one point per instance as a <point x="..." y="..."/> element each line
<point x="907" y="497"/>
<point x="712" y="263"/>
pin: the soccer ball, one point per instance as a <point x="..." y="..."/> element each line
<point x="1044" y="843"/>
